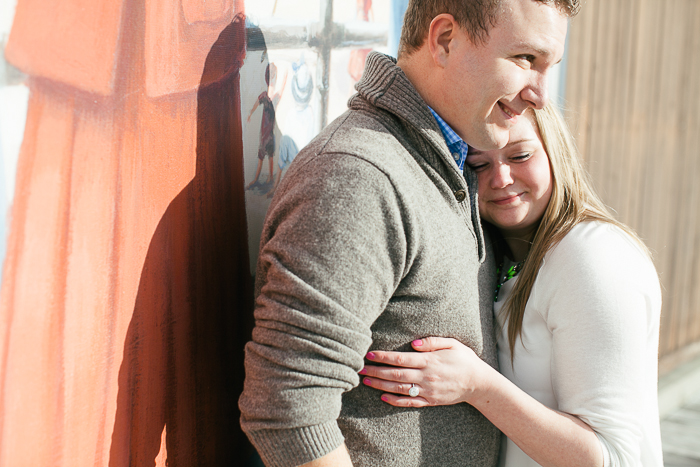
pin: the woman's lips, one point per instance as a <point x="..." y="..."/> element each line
<point x="506" y="199"/>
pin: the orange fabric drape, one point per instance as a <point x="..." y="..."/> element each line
<point x="126" y="294"/>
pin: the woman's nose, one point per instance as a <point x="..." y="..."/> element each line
<point x="501" y="176"/>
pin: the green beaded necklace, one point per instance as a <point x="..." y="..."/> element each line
<point x="502" y="279"/>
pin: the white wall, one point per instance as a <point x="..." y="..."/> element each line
<point x="13" y="112"/>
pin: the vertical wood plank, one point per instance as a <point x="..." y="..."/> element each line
<point x="633" y="67"/>
<point x="693" y="145"/>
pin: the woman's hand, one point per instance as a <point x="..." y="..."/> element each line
<point x="448" y="372"/>
<point x="445" y="372"/>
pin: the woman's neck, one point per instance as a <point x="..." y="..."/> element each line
<point x="519" y="241"/>
<point x="518" y="248"/>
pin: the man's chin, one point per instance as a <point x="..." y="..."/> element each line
<point x="492" y="140"/>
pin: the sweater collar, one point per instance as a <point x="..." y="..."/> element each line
<point x="385" y="86"/>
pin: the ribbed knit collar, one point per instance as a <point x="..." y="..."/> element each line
<point x="385" y="86"/>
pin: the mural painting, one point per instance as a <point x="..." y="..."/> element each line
<point x="155" y="134"/>
<point x="301" y="100"/>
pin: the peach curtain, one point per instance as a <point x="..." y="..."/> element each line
<point x="126" y="293"/>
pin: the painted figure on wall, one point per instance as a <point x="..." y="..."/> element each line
<point x="127" y="289"/>
<point x="192" y="306"/>
<point x="300" y="123"/>
<point x="267" y="100"/>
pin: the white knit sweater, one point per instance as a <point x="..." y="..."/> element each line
<point x="589" y="343"/>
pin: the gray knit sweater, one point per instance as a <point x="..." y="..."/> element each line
<point x="372" y="240"/>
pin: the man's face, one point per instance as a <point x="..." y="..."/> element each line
<point x="490" y="85"/>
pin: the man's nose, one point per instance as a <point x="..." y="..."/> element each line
<point x="536" y="93"/>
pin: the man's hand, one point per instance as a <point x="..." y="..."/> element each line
<point x="336" y="458"/>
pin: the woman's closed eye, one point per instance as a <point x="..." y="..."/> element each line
<point x="477" y="167"/>
<point x="521" y="157"/>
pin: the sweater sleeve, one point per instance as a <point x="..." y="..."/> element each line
<point x="332" y="252"/>
<point x="600" y="297"/>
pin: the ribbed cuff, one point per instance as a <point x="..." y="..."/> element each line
<point x="296" y="446"/>
<point x="604" y="449"/>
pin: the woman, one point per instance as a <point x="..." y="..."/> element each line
<point x="577" y="304"/>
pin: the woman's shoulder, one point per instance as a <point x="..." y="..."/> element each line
<point x="599" y="242"/>
<point x="597" y="255"/>
<point x="598" y="265"/>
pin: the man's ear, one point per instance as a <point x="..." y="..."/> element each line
<point x="443" y="30"/>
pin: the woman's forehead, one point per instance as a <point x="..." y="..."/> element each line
<point x="524" y="131"/>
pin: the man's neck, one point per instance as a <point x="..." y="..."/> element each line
<point x="419" y="69"/>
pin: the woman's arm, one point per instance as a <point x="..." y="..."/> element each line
<point x="447" y="372"/>
<point x="599" y="298"/>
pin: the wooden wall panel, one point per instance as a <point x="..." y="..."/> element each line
<point x="633" y="70"/>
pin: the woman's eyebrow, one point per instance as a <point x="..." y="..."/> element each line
<point x="524" y="140"/>
<point x="476" y="152"/>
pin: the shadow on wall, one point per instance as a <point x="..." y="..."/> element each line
<point x="182" y="370"/>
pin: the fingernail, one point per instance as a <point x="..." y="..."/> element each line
<point x="363" y="371"/>
<point x="418" y="342"/>
<point x="367" y="381"/>
<point x="370" y="356"/>
<point x="385" y="399"/>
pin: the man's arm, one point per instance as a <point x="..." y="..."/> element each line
<point x="337" y="458"/>
<point x="333" y="251"/>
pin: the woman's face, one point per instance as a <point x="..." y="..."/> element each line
<point x="515" y="183"/>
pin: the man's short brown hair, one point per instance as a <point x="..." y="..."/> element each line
<point x="475" y="16"/>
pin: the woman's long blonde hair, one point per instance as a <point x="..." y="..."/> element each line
<point x="573" y="201"/>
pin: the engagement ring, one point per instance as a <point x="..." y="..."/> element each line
<point x="413" y="392"/>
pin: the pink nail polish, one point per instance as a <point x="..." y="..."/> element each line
<point x="367" y="381"/>
<point x="385" y="399"/>
<point x="363" y="371"/>
<point x="370" y="356"/>
<point x="418" y="342"/>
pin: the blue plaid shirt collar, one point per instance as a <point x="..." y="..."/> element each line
<point x="455" y="144"/>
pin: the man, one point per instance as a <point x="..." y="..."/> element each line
<point x="374" y="240"/>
